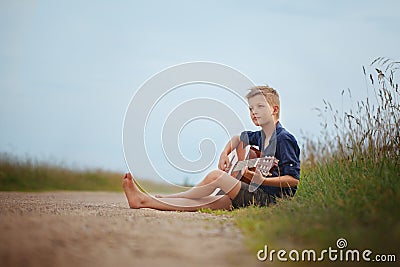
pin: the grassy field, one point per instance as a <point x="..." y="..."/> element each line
<point x="30" y="176"/>
<point x="350" y="180"/>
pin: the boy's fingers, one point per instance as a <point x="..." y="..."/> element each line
<point x="224" y="164"/>
<point x="227" y="162"/>
<point x="250" y="173"/>
<point x="247" y="172"/>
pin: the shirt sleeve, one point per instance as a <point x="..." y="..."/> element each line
<point x="249" y="138"/>
<point x="289" y="161"/>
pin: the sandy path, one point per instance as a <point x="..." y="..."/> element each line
<point x="98" y="229"/>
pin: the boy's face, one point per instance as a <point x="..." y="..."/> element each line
<point x="260" y="111"/>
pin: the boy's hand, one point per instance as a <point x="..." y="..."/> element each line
<point x="253" y="177"/>
<point x="224" y="164"/>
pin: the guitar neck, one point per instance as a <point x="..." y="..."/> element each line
<point x="251" y="163"/>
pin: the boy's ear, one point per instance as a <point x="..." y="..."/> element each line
<point x="275" y="110"/>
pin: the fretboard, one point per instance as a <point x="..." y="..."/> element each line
<point x="251" y="163"/>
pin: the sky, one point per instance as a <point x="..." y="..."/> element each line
<point x="69" y="69"/>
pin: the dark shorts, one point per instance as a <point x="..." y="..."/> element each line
<point x="246" y="198"/>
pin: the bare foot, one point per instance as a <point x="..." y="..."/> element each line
<point x="134" y="196"/>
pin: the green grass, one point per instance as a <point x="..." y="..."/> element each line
<point x="350" y="181"/>
<point x="358" y="201"/>
<point x="33" y="176"/>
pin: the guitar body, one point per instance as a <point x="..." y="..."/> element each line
<point x="248" y="156"/>
<point x="242" y="153"/>
<point x="239" y="154"/>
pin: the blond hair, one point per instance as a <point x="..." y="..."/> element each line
<point x="270" y="94"/>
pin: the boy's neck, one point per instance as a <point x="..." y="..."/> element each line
<point x="269" y="129"/>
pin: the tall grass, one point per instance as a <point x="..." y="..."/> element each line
<point x="350" y="181"/>
<point x="370" y="130"/>
<point x="32" y="175"/>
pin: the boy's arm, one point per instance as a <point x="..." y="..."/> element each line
<point x="281" y="181"/>
<point x="224" y="162"/>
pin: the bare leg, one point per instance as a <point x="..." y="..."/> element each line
<point x="201" y="190"/>
<point x="138" y="199"/>
<point x="213" y="180"/>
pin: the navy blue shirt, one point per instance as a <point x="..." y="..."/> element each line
<point x="282" y="146"/>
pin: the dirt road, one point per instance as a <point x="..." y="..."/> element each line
<point x="98" y="229"/>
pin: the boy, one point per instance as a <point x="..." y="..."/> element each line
<point x="272" y="140"/>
